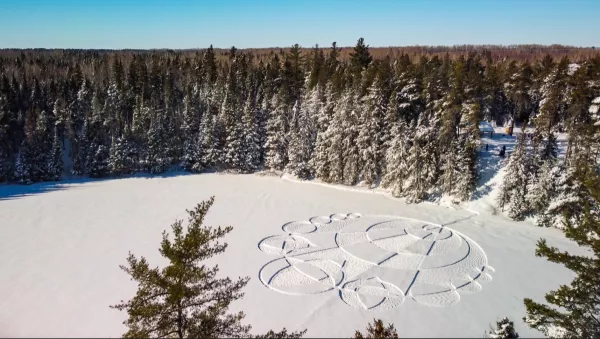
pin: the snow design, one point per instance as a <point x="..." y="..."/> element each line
<point x="374" y="262"/>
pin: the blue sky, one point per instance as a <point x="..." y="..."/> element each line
<point x="267" y="23"/>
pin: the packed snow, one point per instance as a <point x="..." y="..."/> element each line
<point x="325" y="259"/>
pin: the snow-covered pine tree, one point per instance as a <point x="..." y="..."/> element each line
<point x="396" y="158"/>
<point x="98" y="160"/>
<point x="277" y="143"/>
<point x="334" y="138"/>
<point x="541" y="193"/>
<point x="504" y="329"/>
<point x="370" y="133"/>
<point x="421" y="161"/>
<point x="300" y="147"/>
<point x="121" y="159"/>
<point x="190" y="129"/>
<point x="452" y="167"/>
<point x="209" y="154"/>
<point x="79" y="109"/>
<point x="22" y="164"/>
<point x="234" y="141"/>
<point x="320" y="158"/>
<point x="513" y="189"/>
<point x="251" y="139"/>
<point x="41" y="147"/>
<point x="55" y="160"/>
<point x="350" y="130"/>
<point x="157" y="160"/>
<point x="469" y="143"/>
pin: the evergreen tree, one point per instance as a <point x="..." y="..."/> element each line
<point x="360" y="58"/>
<point x="504" y="329"/>
<point x="190" y="129"/>
<point x="369" y="139"/>
<point x="251" y="140"/>
<point x="421" y="162"/>
<point x="121" y="158"/>
<point x="55" y="160"/>
<point x="98" y="161"/>
<point x="378" y="330"/>
<point x="513" y="189"/>
<point x="22" y="165"/>
<point x="576" y="309"/>
<point x="157" y="160"/>
<point x="300" y="147"/>
<point x="350" y="149"/>
<point x="185" y="299"/>
<point x="277" y="141"/>
<point x="396" y="159"/>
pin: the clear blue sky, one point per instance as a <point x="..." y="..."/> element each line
<point x="267" y="23"/>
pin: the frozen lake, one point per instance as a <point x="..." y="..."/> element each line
<point x="320" y="258"/>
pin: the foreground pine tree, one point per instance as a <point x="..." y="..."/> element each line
<point x="186" y="299"/>
<point x="504" y="329"/>
<point x="377" y="330"/>
<point x="577" y="312"/>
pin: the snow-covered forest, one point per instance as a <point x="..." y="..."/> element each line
<point x="408" y="123"/>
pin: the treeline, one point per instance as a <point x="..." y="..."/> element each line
<point x="520" y="53"/>
<point x="409" y="125"/>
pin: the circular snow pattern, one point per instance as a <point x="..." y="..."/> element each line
<point x="374" y="262"/>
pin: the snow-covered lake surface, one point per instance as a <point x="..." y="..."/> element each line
<point x="354" y="256"/>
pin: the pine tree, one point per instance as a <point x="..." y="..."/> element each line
<point x="55" y="160"/>
<point x="121" y="159"/>
<point x="469" y="143"/>
<point x="360" y="58"/>
<point x="185" y="299"/>
<point x="22" y="165"/>
<point x="300" y="147"/>
<point x="575" y="313"/>
<point x="251" y="139"/>
<point x="190" y="129"/>
<point x="320" y="159"/>
<point x="513" y="189"/>
<point x="370" y="136"/>
<point x="157" y="160"/>
<point x="277" y="142"/>
<point x="350" y="149"/>
<point x="378" y="330"/>
<point x="504" y="329"/>
<point x="396" y="159"/>
<point x="421" y="162"/>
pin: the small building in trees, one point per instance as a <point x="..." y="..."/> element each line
<point x="486" y="127"/>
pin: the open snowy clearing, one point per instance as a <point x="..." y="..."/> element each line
<point x="319" y="258"/>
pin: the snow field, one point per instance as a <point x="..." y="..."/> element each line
<point x="61" y="245"/>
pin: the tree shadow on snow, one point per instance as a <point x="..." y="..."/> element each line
<point x="16" y="191"/>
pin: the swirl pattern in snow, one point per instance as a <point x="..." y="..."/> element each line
<point x="374" y="262"/>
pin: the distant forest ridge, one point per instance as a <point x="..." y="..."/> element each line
<point x="528" y="52"/>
